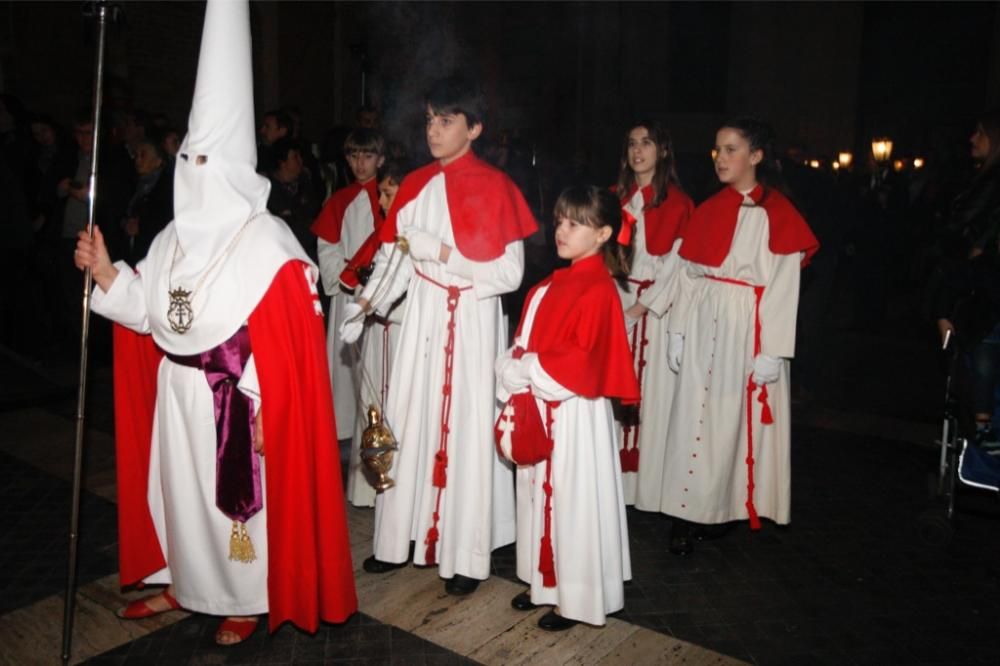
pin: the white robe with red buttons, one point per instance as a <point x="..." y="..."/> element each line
<point x="656" y="381"/>
<point x="705" y="474"/>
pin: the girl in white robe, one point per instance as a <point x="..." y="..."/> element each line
<point x="649" y="193"/>
<point x="732" y="335"/>
<point x="572" y="538"/>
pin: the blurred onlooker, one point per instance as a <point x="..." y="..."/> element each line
<point x="151" y="206"/>
<point x="965" y="289"/>
<point x="275" y="124"/>
<point x="171" y="142"/>
<point x="367" y="117"/>
<point x="292" y="196"/>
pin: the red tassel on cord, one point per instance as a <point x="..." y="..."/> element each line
<point x="440" y="469"/>
<point x="629" y="459"/>
<point x="754" y="520"/>
<point x="765" y="411"/>
<point x="546" y="559"/>
<point x="546" y="563"/>
<point x="430" y="556"/>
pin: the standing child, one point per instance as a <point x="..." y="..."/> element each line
<point x="657" y="210"/>
<point x="464" y="222"/>
<point x="347" y="219"/>
<point x="732" y="331"/>
<point x="572" y="353"/>
<point x="380" y="343"/>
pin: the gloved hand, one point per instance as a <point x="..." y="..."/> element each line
<point x="423" y="246"/>
<point x="766" y="369"/>
<point x="675" y="349"/>
<point x="630" y="326"/>
<point x="353" y="324"/>
<point x="512" y="373"/>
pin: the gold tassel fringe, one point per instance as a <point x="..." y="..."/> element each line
<point x="240" y="546"/>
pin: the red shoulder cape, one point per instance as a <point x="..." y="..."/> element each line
<point x="310" y="575"/>
<point x="709" y="234"/>
<point x="330" y="221"/>
<point x="579" y="333"/>
<point x="665" y="223"/>
<point x="486" y="208"/>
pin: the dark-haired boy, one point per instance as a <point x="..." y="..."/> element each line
<point x="347" y="219"/>
<point x="464" y="222"/>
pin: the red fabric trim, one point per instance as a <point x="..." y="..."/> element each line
<point x="329" y="224"/>
<point x="709" y="235"/>
<point x="665" y="223"/>
<point x="136" y="360"/>
<point x="579" y="333"/>
<point x="630" y="454"/>
<point x="310" y="574"/>
<point x="486" y="208"/>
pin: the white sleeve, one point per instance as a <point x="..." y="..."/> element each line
<point x="779" y="306"/>
<point x="490" y="278"/>
<point x="683" y="292"/>
<point x="331" y="263"/>
<point x="542" y="383"/>
<point x="390" y="278"/>
<point x="249" y="384"/>
<point x="660" y="296"/>
<point x="125" y="301"/>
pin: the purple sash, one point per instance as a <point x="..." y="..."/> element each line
<point x="238" y="492"/>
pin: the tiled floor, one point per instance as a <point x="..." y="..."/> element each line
<point x="34" y="512"/>
<point x="359" y="642"/>
<point x="867" y="573"/>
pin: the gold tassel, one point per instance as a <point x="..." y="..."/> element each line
<point x="240" y="546"/>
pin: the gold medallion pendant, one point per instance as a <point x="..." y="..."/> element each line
<point x="179" y="313"/>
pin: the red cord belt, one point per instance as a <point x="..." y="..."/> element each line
<point x="440" y="476"/>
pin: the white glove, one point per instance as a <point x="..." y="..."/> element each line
<point x="675" y="349"/>
<point x="630" y="326"/>
<point x="766" y="369"/>
<point x="423" y="246"/>
<point x="353" y="324"/>
<point x="513" y="374"/>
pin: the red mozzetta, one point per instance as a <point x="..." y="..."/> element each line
<point x="710" y="233"/>
<point x="487" y="210"/>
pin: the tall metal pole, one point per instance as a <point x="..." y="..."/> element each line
<point x="100" y="10"/>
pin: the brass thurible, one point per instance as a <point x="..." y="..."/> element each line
<point x="377" y="447"/>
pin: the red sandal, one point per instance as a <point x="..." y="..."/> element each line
<point x="140" y="609"/>
<point x="240" y="628"/>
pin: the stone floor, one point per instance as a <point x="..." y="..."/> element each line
<point x="868" y="572"/>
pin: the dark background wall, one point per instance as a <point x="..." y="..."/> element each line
<point x="569" y="76"/>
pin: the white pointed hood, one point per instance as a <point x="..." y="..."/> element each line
<point x="213" y="200"/>
<point x="206" y="250"/>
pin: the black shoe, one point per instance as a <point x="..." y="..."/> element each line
<point x="522" y="602"/>
<point x="460" y="585"/>
<point x="711" y="532"/>
<point x="681" y="545"/>
<point x="553" y="621"/>
<point x="371" y="565"/>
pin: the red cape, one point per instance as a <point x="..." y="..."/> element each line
<point x="579" y="332"/>
<point x="330" y="221"/>
<point x="310" y="575"/>
<point x="487" y="210"/>
<point x="665" y="223"/>
<point x="709" y="235"/>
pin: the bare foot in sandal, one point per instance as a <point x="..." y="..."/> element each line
<point x="234" y="630"/>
